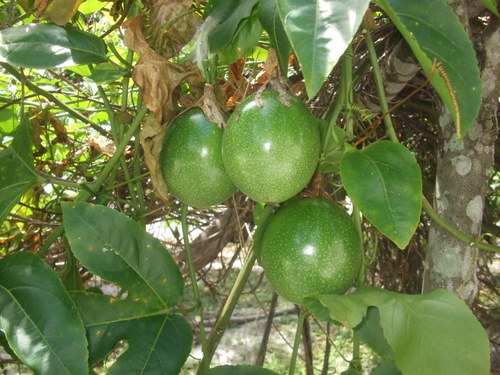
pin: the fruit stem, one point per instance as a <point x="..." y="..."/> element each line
<point x="192" y="275"/>
<point x="296" y="342"/>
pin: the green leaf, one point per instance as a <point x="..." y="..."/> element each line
<point x="158" y="343"/>
<point x="319" y="32"/>
<point x="386" y="367"/>
<point x="16" y="170"/>
<point x="491" y="5"/>
<point x="245" y="38"/>
<point x="91" y="6"/>
<point x="385" y="182"/>
<point x="228" y="15"/>
<point x="48" y="46"/>
<point x="8" y="121"/>
<point x="239" y="370"/>
<point x="434" y="333"/>
<point x="117" y="249"/>
<point x="271" y="21"/>
<point x="371" y="333"/>
<point x="40" y="321"/>
<point x="106" y="73"/>
<point x="442" y="38"/>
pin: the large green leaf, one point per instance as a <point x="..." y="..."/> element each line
<point x="49" y="46"/>
<point x="16" y="170"/>
<point x="40" y="321"/>
<point x="239" y="370"/>
<point x="271" y="21"/>
<point x="117" y="249"/>
<point x="384" y="181"/>
<point x="319" y="32"/>
<point x="434" y="333"/>
<point x="442" y="38"/>
<point x="228" y="15"/>
<point x="158" y="343"/>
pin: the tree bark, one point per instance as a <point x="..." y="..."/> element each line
<point x="463" y="171"/>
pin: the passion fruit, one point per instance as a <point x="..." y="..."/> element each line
<point x="191" y="161"/>
<point x="310" y="246"/>
<point x="270" y="146"/>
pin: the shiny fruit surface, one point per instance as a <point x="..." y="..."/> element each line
<point x="270" y="146"/>
<point x="311" y="246"/>
<point x="191" y="161"/>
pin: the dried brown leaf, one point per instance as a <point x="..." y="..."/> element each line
<point x="156" y="76"/>
<point x="173" y="25"/>
<point x="151" y="141"/>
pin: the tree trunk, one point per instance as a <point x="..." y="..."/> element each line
<point x="463" y="171"/>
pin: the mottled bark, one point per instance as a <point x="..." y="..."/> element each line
<point x="463" y="170"/>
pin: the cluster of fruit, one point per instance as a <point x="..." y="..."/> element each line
<point x="268" y="150"/>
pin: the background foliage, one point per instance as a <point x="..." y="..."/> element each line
<point x="86" y="89"/>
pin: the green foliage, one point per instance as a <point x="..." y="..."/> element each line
<point x="271" y="22"/>
<point x="117" y="249"/>
<point x="443" y="39"/>
<point x="384" y="181"/>
<point x="237" y="27"/>
<point x="79" y="129"/>
<point x="39" y="319"/>
<point x="49" y="46"/>
<point x="16" y="170"/>
<point x="433" y="333"/>
<point x="158" y="342"/>
<point x="320" y="33"/>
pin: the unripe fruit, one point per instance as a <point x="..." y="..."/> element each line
<point x="270" y="149"/>
<point x="310" y="246"/>
<point x="191" y="161"/>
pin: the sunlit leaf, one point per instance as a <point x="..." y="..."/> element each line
<point x="319" y="32"/>
<point x="117" y="249"/>
<point x="49" y="46"/>
<point x="17" y="174"/>
<point x="429" y="334"/>
<point x="385" y="183"/>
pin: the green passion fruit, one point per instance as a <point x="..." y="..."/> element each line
<point x="191" y="161"/>
<point x="270" y="146"/>
<point x="310" y="246"/>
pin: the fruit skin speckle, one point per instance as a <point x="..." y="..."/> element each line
<point x="191" y="161"/>
<point x="311" y="246"/>
<point x="271" y="150"/>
